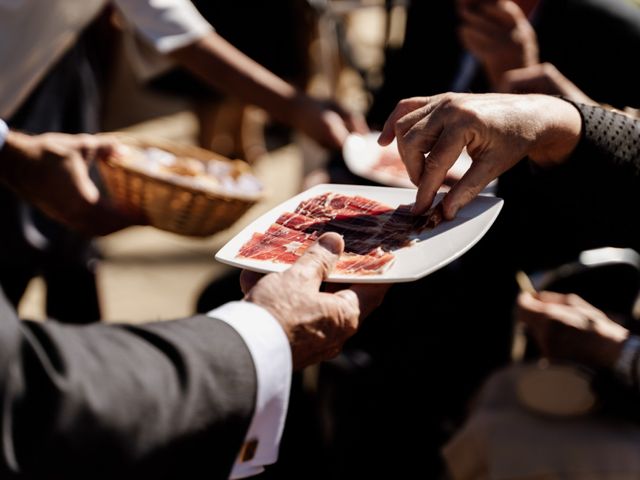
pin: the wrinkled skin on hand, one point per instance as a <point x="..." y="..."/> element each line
<point x="568" y="328"/>
<point x="316" y="323"/>
<point x="498" y="131"/>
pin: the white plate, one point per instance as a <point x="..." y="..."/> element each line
<point x="435" y="248"/>
<point x="362" y="152"/>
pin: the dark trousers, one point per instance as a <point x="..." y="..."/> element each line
<point x="31" y="244"/>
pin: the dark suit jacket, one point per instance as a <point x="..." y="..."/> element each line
<point x="162" y="400"/>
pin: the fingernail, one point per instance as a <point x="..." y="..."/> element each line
<point x="332" y="243"/>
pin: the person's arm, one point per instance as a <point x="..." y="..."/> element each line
<point x="498" y="131"/>
<point x="566" y="327"/>
<point x="305" y="329"/>
<point x="499" y="35"/>
<point x="206" y="54"/>
<point x="220" y="64"/>
<point x="51" y="171"/>
<point x="271" y="355"/>
<point x="162" y="400"/>
<point x="172" y="399"/>
<point x="610" y="142"/>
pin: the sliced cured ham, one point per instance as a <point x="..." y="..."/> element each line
<point x="278" y="244"/>
<point x="330" y="205"/>
<point x="371" y="231"/>
<point x="353" y="264"/>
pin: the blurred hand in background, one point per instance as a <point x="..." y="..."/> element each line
<point x="51" y="171"/>
<point x="568" y="328"/>
<point x="499" y="35"/>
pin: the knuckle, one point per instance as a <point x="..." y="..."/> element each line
<point x="431" y="164"/>
<point x="411" y="139"/>
<point x="319" y="259"/>
<point x="85" y="138"/>
<point x="545" y="310"/>
<point x="268" y="282"/>
<point x="351" y="326"/>
<point x="400" y="128"/>
<point x="574" y="300"/>
<point x="547" y="69"/>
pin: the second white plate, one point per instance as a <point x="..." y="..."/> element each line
<point x="362" y="152"/>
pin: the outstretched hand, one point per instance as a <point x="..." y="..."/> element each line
<point x="51" y="171"/>
<point x="316" y="323"/>
<point x="497" y="130"/>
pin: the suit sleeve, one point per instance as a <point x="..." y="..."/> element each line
<point x="164" y="400"/>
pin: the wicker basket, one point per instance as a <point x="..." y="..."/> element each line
<point x="170" y="206"/>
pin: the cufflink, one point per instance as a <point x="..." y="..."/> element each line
<point x="248" y="450"/>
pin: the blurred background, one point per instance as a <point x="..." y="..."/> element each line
<point x="333" y="49"/>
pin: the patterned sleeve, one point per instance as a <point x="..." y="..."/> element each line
<point x="609" y="137"/>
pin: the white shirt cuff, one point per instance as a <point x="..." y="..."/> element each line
<point x="271" y="355"/>
<point x="4" y="130"/>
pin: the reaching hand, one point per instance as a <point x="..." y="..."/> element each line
<point x="51" y="172"/>
<point x="316" y="323"/>
<point x="499" y="35"/>
<point x="498" y="131"/>
<point x="568" y="328"/>
<point x="326" y="122"/>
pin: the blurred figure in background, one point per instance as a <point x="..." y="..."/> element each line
<point x="49" y="83"/>
<point x="574" y="35"/>
<point x="502" y="37"/>
<point x="57" y="93"/>
<point x="249" y="26"/>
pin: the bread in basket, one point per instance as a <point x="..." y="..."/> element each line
<point x="178" y="188"/>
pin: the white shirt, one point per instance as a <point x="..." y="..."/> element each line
<point x="271" y="355"/>
<point x="34" y="34"/>
<point x="3" y="133"/>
